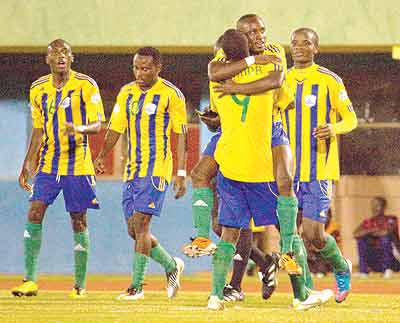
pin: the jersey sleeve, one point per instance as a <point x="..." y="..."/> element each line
<point x="37" y="117"/>
<point x="285" y="97"/>
<point x="178" y="111"/>
<point x="118" y="120"/>
<point x="94" y="104"/>
<point x="341" y="103"/>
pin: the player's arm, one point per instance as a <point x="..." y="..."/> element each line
<point x="116" y="127"/>
<point x="340" y="102"/>
<point x="31" y="160"/>
<point x="219" y="70"/>
<point x="95" y="113"/>
<point x="179" y="126"/>
<point x="30" y="164"/>
<point x="274" y="80"/>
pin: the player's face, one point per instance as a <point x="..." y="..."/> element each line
<point x="254" y="30"/>
<point x="145" y="70"/>
<point x="302" y="47"/>
<point x="376" y="207"/>
<point x="59" y="57"/>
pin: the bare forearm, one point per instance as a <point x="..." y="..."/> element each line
<point x="220" y="71"/>
<point x="91" y="128"/>
<point x="182" y="151"/>
<point x="34" y="146"/>
<point x="110" y="140"/>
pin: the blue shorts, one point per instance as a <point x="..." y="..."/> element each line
<point x="279" y="136"/>
<point x="144" y="195"/>
<point x="314" y="199"/>
<point x="240" y="201"/>
<point x="210" y="149"/>
<point x="79" y="191"/>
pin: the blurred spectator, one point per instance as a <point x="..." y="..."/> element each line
<point x="378" y="241"/>
<point x="316" y="263"/>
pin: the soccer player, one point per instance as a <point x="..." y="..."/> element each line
<point x="312" y="127"/>
<point x="244" y="157"/>
<point x="147" y="109"/>
<point x="66" y="107"/>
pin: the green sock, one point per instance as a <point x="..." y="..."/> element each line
<point x="287" y="214"/>
<point x="202" y="205"/>
<point x="81" y="253"/>
<point x="306" y="269"/>
<point x="331" y="253"/>
<point x="139" y="268"/>
<point x="221" y="263"/>
<point x="299" y="281"/>
<point x="159" y="254"/>
<point x="32" y="242"/>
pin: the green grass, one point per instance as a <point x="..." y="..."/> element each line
<point x="102" y="307"/>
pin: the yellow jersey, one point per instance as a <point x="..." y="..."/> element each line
<point x="243" y="152"/>
<point x="79" y="102"/>
<point x="319" y="95"/>
<point x="148" y="117"/>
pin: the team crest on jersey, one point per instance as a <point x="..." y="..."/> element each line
<point x="134" y="107"/>
<point x="116" y="109"/>
<point x="66" y="102"/>
<point x="150" y="108"/>
<point x="95" y="98"/>
<point x="310" y="100"/>
<point x="343" y="95"/>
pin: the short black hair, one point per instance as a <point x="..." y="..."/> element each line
<point x="235" y="45"/>
<point x="244" y="17"/>
<point x="218" y="44"/>
<point x="382" y="201"/>
<point x="308" y="30"/>
<point x="150" y="51"/>
<point x="57" y="41"/>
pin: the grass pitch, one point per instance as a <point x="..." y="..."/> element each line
<point x="190" y="306"/>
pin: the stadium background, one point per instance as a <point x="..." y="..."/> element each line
<point x="357" y="39"/>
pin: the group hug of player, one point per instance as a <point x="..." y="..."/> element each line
<point x="275" y="152"/>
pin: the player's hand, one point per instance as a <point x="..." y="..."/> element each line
<point x="324" y="132"/>
<point x="179" y="186"/>
<point x="211" y="119"/>
<point x="69" y="129"/>
<point x="23" y="180"/>
<point x="99" y="166"/>
<point x="267" y="59"/>
<point x="225" y="88"/>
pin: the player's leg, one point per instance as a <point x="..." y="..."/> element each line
<point x="81" y="252"/>
<point x="233" y="215"/>
<point x="46" y="187"/>
<point x="316" y="203"/>
<point x="79" y="195"/>
<point x="287" y="201"/>
<point x="203" y="200"/>
<point x="233" y="291"/>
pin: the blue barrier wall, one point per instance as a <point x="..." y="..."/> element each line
<point x="111" y="247"/>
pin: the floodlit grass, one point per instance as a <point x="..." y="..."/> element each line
<point x="190" y="306"/>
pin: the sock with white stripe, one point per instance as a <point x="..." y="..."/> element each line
<point x="32" y="243"/>
<point x="81" y="253"/>
<point x="202" y="205"/>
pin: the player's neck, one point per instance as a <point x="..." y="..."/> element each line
<point x="147" y="87"/>
<point x="60" y="79"/>
<point x="301" y="65"/>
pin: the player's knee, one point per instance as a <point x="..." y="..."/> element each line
<point x="141" y="224"/>
<point x="79" y="223"/>
<point x="285" y="184"/>
<point x="131" y="232"/>
<point x="36" y="214"/>
<point x="198" y="177"/>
